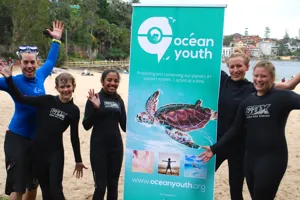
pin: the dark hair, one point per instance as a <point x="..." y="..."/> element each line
<point x="104" y="75"/>
<point x="106" y="72"/>
<point x="64" y="78"/>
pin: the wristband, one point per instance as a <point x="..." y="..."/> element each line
<point x="55" y="40"/>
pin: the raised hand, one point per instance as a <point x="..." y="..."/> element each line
<point x="79" y="170"/>
<point x="206" y="155"/>
<point x="5" y="70"/>
<point x="94" y="98"/>
<point x="58" y="28"/>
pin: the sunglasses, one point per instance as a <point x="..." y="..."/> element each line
<point x="28" y="49"/>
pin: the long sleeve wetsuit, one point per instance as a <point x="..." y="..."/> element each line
<point x="230" y="96"/>
<point x="54" y="117"/>
<point x="17" y="144"/>
<point x="106" y="151"/>
<point x="266" y="149"/>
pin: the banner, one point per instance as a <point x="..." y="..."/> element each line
<point x="175" y="64"/>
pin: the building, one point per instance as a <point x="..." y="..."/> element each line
<point x="265" y="47"/>
<point x="226" y="52"/>
<point x="299" y="34"/>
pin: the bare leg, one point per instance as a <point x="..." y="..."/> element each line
<point x="15" y="196"/>
<point x="30" y="195"/>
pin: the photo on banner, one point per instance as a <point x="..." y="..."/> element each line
<point x="175" y="66"/>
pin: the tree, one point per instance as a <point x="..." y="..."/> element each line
<point x="286" y="38"/>
<point x="267" y="32"/>
<point x="227" y="40"/>
<point x="28" y="19"/>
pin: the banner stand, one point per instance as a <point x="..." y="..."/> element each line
<point x="175" y="64"/>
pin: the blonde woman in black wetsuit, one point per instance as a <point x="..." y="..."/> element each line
<point x="265" y="112"/>
<point x="233" y="89"/>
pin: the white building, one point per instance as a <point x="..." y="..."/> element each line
<point x="265" y="47"/>
<point x="292" y="48"/>
<point x="256" y="52"/>
<point x="226" y="52"/>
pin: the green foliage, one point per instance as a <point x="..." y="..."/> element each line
<point x="227" y="39"/>
<point x="116" y="54"/>
<point x="90" y="26"/>
<point x="267" y="32"/>
<point x="297" y="53"/>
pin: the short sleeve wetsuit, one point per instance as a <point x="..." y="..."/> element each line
<point x="106" y="151"/>
<point x="230" y="96"/>
<point x="23" y="126"/>
<point x="266" y="146"/>
<point x="54" y="117"/>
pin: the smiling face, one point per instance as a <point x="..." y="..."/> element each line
<point x="111" y="82"/>
<point x="29" y="64"/>
<point x="65" y="85"/>
<point x="263" y="80"/>
<point x="237" y="68"/>
<point x="65" y="90"/>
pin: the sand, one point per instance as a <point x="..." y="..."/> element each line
<point x="83" y="188"/>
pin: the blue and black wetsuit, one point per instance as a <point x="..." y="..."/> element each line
<point x="106" y="152"/>
<point x="22" y="127"/>
<point x="266" y="148"/>
<point x="230" y="96"/>
<point x="54" y="117"/>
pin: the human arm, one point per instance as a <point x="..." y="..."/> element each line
<point x="15" y="92"/>
<point x="91" y="107"/>
<point x="3" y="85"/>
<point x="75" y="137"/>
<point x="228" y="136"/>
<point x="290" y="99"/>
<point x="52" y="57"/>
<point x="79" y="166"/>
<point x="123" y="117"/>
<point x="289" y="85"/>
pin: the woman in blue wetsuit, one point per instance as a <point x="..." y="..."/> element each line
<point x="264" y="113"/>
<point x="55" y="115"/>
<point x="233" y="89"/>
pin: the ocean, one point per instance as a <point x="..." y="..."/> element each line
<point x="284" y="69"/>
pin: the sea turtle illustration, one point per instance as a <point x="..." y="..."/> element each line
<point x="178" y="119"/>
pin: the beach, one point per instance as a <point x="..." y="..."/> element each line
<point x="82" y="189"/>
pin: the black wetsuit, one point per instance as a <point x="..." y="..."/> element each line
<point x="266" y="149"/>
<point x="54" y="117"/>
<point x="230" y="96"/>
<point x="106" y="151"/>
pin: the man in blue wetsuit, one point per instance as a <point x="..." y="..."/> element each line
<point x="17" y="144"/>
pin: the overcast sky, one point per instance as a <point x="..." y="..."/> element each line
<point x="279" y="15"/>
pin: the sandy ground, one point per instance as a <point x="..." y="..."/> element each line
<point x="83" y="188"/>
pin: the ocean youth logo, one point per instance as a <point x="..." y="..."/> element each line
<point x="155" y="36"/>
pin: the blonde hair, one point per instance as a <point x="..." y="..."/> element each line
<point x="268" y="66"/>
<point x="238" y="52"/>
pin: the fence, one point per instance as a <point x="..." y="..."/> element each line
<point x="97" y="64"/>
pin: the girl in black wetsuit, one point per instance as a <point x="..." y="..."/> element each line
<point x="265" y="113"/>
<point x="104" y="112"/>
<point x="55" y="115"/>
<point x="233" y="89"/>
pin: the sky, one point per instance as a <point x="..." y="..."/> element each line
<point x="279" y="15"/>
